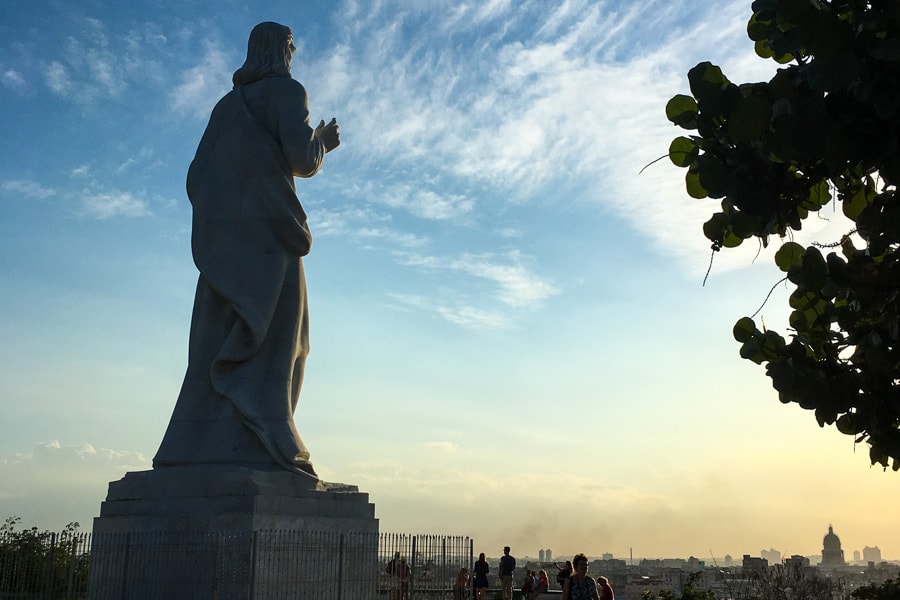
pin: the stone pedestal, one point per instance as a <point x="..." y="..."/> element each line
<point x="225" y="532"/>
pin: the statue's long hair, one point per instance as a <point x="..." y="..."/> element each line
<point x="268" y="54"/>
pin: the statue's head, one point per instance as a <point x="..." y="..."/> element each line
<point x="269" y="51"/>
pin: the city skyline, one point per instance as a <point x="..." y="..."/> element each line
<point x="516" y="334"/>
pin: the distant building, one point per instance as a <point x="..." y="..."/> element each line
<point x="548" y="555"/>
<point x="856" y="557"/>
<point x="772" y="555"/>
<point x="753" y="564"/>
<point x="832" y="555"/>
<point x="796" y="562"/>
<point x="541" y="555"/>
<point x="872" y="555"/>
<point x="606" y="556"/>
<point x="729" y="560"/>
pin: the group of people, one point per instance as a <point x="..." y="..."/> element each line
<point x="578" y="585"/>
<point x="572" y="578"/>
<point x="401" y="574"/>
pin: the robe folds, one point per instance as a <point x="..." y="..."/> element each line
<point x="250" y="324"/>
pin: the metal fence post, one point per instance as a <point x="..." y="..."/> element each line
<point x="340" y="580"/>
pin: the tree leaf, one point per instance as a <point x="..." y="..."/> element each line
<point x="692" y="182"/>
<point x="682" y="110"/>
<point x="745" y="329"/>
<point x="790" y="253"/>
<point x="683" y="151"/>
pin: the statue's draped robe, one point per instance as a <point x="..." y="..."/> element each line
<point x="249" y="330"/>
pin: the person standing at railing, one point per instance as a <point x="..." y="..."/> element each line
<point x="462" y="584"/>
<point x="481" y="570"/>
<point x="579" y="586"/>
<point x="393" y="569"/>
<point x="543" y="584"/>
<point x="527" y="583"/>
<point x="506" y="570"/>
<point x="565" y="571"/>
<point x="606" y="591"/>
<point x="404" y="574"/>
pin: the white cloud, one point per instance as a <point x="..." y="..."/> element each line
<point x="104" y="205"/>
<point x="407" y="240"/>
<point x="568" y="114"/>
<point x="442" y="446"/>
<point x="58" y="78"/>
<point x="427" y="204"/>
<point x="14" y="80"/>
<point x="80" y="170"/>
<point x="463" y="315"/>
<point x="31" y="482"/>
<point x="515" y="285"/>
<point x="201" y="86"/>
<point x="90" y="69"/>
<point x="29" y="189"/>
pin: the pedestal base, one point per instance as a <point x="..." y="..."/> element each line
<point x="225" y="532"/>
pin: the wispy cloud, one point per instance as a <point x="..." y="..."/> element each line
<point x="90" y="67"/>
<point x="442" y="446"/>
<point x="105" y="205"/>
<point x="201" y="85"/>
<point x="406" y="240"/>
<point x="461" y="314"/>
<point x="515" y="285"/>
<point x="428" y="204"/>
<point x="30" y="481"/>
<point x="58" y="79"/>
<point x="567" y="108"/>
<point x="14" y="80"/>
<point x="29" y="189"/>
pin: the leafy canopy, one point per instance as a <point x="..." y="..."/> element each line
<point x="825" y="128"/>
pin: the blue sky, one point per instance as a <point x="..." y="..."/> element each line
<point x="510" y="339"/>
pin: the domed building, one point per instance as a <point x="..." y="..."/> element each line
<point x="832" y="555"/>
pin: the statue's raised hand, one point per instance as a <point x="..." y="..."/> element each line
<point x="330" y="134"/>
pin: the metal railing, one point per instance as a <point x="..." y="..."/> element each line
<point x="245" y="564"/>
<point x="434" y="560"/>
<point x="44" y="565"/>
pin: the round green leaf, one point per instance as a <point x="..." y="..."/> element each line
<point x="683" y="151"/>
<point x="731" y="240"/>
<point x="682" y="110"/>
<point x="742" y="224"/>
<point x="752" y="350"/>
<point x="762" y="49"/>
<point x="692" y="182"/>
<point x="819" y="196"/>
<point x="862" y="198"/>
<point x="745" y="329"/>
<point x="847" y="424"/>
<point x="707" y="82"/>
<point x="790" y="253"/>
<point x="716" y="228"/>
<point x="814" y="268"/>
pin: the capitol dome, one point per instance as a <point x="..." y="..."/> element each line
<point x="832" y="555"/>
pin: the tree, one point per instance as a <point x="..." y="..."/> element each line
<point x="888" y="590"/>
<point x="692" y="591"/>
<point x="825" y="128"/>
<point x="33" y="561"/>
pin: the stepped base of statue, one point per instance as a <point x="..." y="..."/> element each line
<point x="229" y="532"/>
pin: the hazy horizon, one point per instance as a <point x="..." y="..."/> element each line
<point x="511" y="338"/>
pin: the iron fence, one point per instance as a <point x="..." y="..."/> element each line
<point x="56" y="566"/>
<point x="434" y="560"/>
<point x="44" y="565"/>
